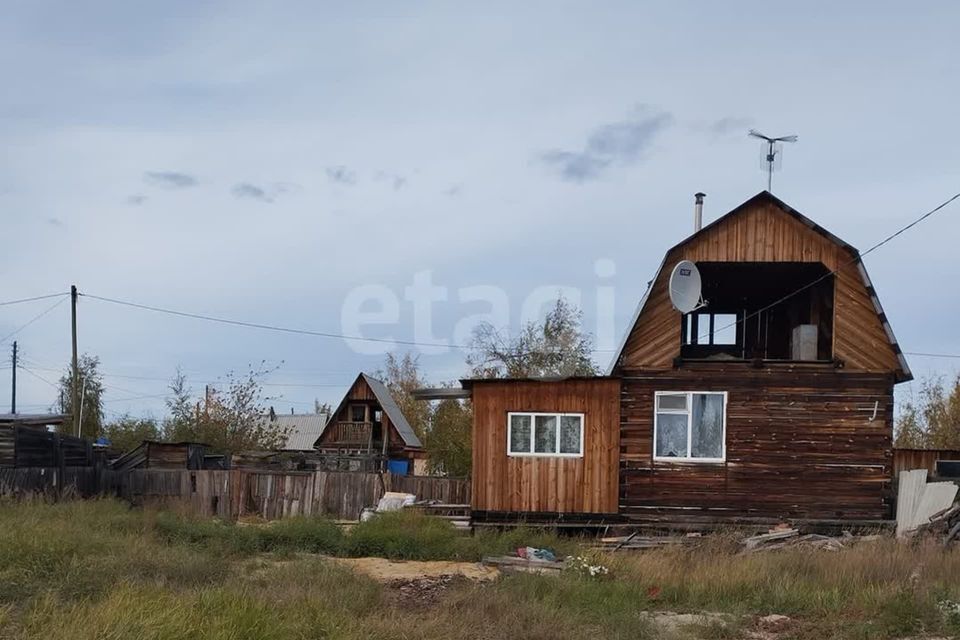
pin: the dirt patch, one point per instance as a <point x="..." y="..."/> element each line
<point x="388" y="571"/>
<point x="422" y="592"/>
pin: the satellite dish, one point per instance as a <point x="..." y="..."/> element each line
<point x="685" y="287"/>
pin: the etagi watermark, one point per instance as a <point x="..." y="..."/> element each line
<point x="378" y="306"/>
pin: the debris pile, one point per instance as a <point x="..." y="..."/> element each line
<point x="634" y="542"/>
<point x="527" y="560"/>
<point x="944" y="525"/>
<point x="783" y="536"/>
<point x="422" y="591"/>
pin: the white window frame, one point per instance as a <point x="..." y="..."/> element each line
<point x="689" y="413"/>
<point x="533" y="433"/>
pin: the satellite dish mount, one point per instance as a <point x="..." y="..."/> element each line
<point x="686" y="287"/>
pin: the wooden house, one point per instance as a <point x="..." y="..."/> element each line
<point x="774" y="401"/>
<point x="368" y="422"/>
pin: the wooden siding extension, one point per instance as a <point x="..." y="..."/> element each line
<point x="763" y="232"/>
<point x="800" y="444"/>
<point x="909" y="459"/>
<point x="502" y="483"/>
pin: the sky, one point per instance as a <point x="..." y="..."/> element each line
<point x="405" y="170"/>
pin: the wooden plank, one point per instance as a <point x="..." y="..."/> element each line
<point x="502" y="483"/>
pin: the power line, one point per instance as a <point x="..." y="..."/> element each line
<point x="212" y="382"/>
<point x="50" y="295"/>
<point x="32" y="320"/>
<point x="37" y="376"/>
<point x="931" y="355"/>
<point x="268" y="327"/>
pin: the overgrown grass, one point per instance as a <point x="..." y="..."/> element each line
<point x="401" y="535"/>
<point x="100" y="570"/>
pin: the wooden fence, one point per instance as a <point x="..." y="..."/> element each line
<point x="235" y="493"/>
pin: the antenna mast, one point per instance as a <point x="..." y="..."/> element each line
<point x="774" y="149"/>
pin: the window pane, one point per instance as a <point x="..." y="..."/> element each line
<point x="672" y="402"/>
<point x="358" y="413"/>
<point x="707" y="426"/>
<point x="519" y="434"/>
<point x="671" y="435"/>
<point x="570" y="434"/>
<point x="545" y="434"/>
<point x="725" y="328"/>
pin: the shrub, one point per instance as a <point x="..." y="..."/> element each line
<point x="406" y="535"/>
<point x="312" y="535"/>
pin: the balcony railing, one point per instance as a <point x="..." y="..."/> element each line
<point x="351" y="433"/>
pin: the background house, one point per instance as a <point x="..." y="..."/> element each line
<point x="302" y="429"/>
<point x="368" y="422"/>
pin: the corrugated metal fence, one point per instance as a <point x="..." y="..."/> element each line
<point x="235" y="493"/>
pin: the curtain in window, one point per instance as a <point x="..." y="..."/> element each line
<point x="519" y="434"/>
<point x="545" y="434"/>
<point x="707" y="426"/>
<point x="570" y="434"/>
<point x="671" y="435"/>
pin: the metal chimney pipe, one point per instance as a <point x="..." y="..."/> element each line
<point x="698" y="210"/>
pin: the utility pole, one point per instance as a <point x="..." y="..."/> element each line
<point x="13" y="391"/>
<point x="75" y="387"/>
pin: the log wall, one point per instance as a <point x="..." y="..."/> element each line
<point x="800" y="444"/>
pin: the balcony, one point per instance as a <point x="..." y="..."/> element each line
<point x="351" y="434"/>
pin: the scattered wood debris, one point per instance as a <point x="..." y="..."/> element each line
<point x="422" y="592"/>
<point x="526" y="565"/>
<point x="783" y="536"/>
<point x="777" y="533"/>
<point x="634" y="542"/>
<point x="945" y="525"/>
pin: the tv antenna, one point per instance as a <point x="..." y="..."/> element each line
<point x="774" y="150"/>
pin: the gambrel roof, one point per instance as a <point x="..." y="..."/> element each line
<point x="847" y="262"/>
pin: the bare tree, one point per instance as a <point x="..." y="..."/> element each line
<point x="231" y="418"/>
<point x="555" y="347"/>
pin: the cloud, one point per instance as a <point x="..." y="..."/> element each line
<point x="266" y="193"/>
<point x="136" y="200"/>
<point x="341" y="175"/>
<point x="453" y="190"/>
<point x="170" y="179"/>
<point x="616" y="144"/>
<point x="396" y="180"/>
<point x="575" y="166"/>
<point x="55" y="222"/>
<point x="729" y="125"/>
<point x="251" y="191"/>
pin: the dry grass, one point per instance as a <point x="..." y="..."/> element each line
<point x="99" y="570"/>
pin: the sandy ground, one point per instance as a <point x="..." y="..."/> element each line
<point x="387" y="571"/>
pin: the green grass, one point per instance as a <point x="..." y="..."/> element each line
<point x="401" y="535"/>
<point x="97" y="569"/>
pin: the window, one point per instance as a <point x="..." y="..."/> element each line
<point x="545" y="434"/>
<point x="690" y="425"/>
<point x="358" y="413"/>
<point x="710" y="329"/>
